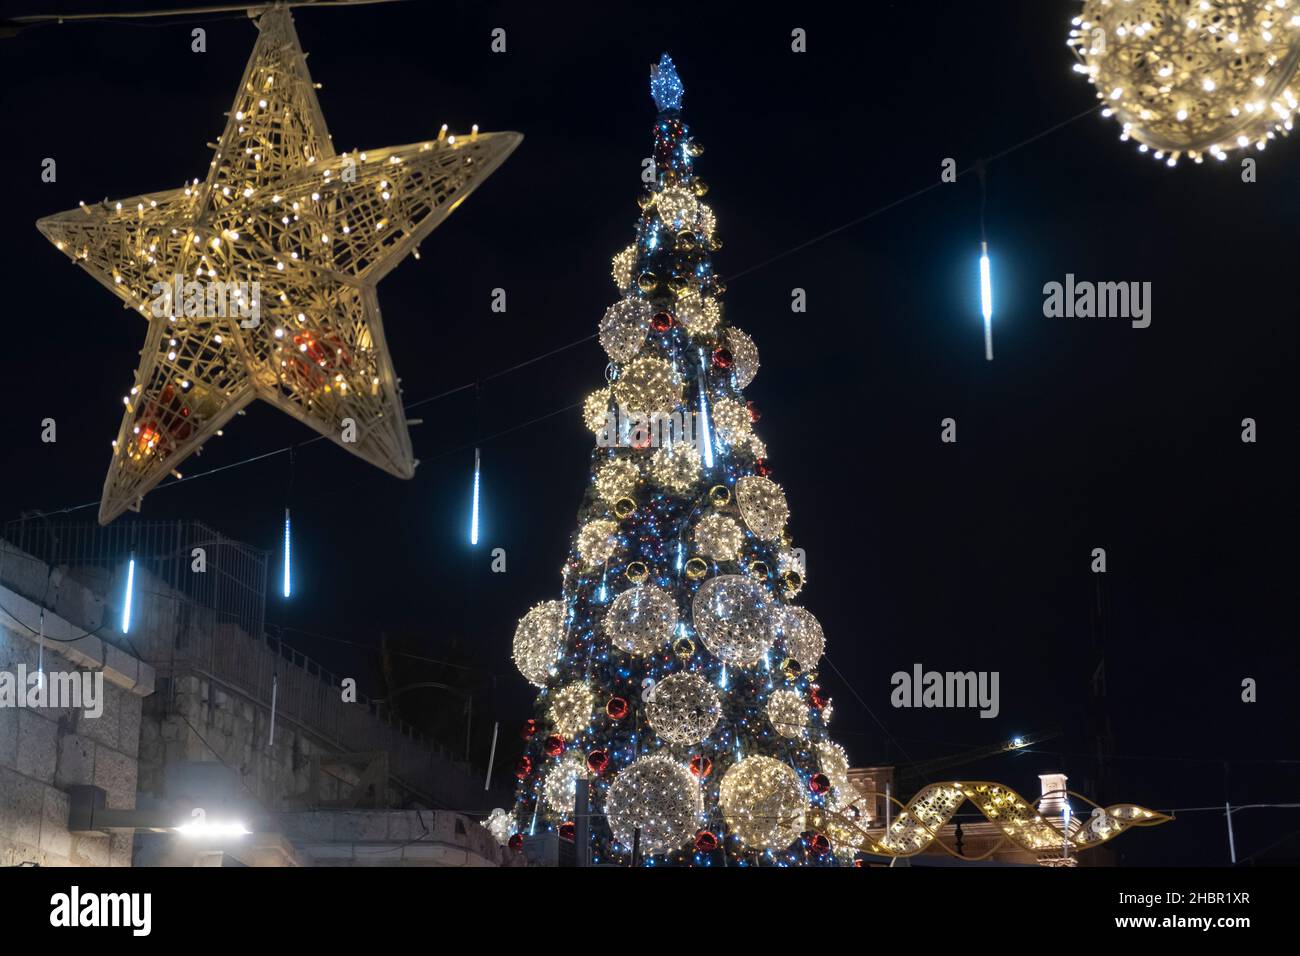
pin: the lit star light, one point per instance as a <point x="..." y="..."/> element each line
<point x="259" y="282"/>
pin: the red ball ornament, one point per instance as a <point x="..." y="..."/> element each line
<point x="819" y="843"/>
<point x="616" y="708"/>
<point x="597" y="761"/>
<point x="754" y="413"/>
<point x="568" y="831"/>
<point x="819" y="783"/>
<point x="524" y="767"/>
<point x="661" y="321"/>
<point x="706" y="842"/>
<point x="762" y="468"/>
<point x="529" y="729"/>
<point x="722" y="358"/>
<point x="701" y="766"/>
<point x="516" y="842"/>
<point x="554" y="745"/>
<point x="817" y="698"/>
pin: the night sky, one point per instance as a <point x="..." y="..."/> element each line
<point x="1083" y="433"/>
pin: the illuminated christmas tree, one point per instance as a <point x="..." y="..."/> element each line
<point x="677" y="673"/>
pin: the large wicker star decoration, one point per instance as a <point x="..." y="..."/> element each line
<point x="260" y="281"/>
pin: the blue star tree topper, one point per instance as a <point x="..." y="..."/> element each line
<point x="665" y="85"/>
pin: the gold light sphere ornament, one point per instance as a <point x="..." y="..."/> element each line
<point x="617" y="478"/>
<point x="719" y="537"/>
<point x="539" y="639"/>
<point x="675" y="467"/>
<point x="791" y="583"/>
<point x="621" y="270"/>
<point x="624" y="327"/>
<point x="696" y="568"/>
<point x="834" y="762"/>
<point x="283" y="245"/>
<point x="648" y="386"/>
<point x="762" y="506"/>
<point x="698" y="314"/>
<point x="744" y="357"/>
<point x="685" y="708"/>
<point x="570" y="709"/>
<point x="561" y="781"/>
<point x="731" y="421"/>
<point x="791" y="668"/>
<point x="624" y="508"/>
<point x="678" y="208"/>
<point x="1192" y="77"/>
<point x="788" y="714"/>
<point x="595" y="410"/>
<point x="762" y="803"/>
<point x="636" y="571"/>
<point x="598" y="541"/>
<point x="684" y="648"/>
<point x="657" y="796"/>
<point x="719" y="496"/>
<point x="732" y="617"/>
<point x="641" y="620"/>
<point x="802" y="635"/>
<point x="759" y="570"/>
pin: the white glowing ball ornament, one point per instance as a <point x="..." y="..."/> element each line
<point x="1192" y="77"/>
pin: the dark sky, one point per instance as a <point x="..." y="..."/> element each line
<point x="1082" y="434"/>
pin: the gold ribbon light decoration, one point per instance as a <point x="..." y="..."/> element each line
<point x="259" y="281"/>
<point x="1192" y="77"/>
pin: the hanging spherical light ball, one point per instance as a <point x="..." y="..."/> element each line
<point x="617" y="708"/>
<point x="561" y="781"/>
<point x="648" y="386"/>
<point x="676" y="467"/>
<point x="598" y="761"/>
<point x="762" y="803"/>
<point x="744" y="356"/>
<point x="718" y="537"/>
<point x="731" y="421"/>
<point x="553" y="745"/>
<point x="802" y="635"/>
<point x="529" y="729"/>
<point x="698" y="314"/>
<point x="661" y="321"/>
<point x="834" y="763"/>
<point x="624" y="326"/>
<point x="595" y="410"/>
<point x="677" y="207"/>
<point x="701" y="766"/>
<point x="641" y="620"/>
<point x="617" y="478"/>
<point x="788" y="714"/>
<point x="762" y="506"/>
<point x="1192" y="78"/>
<point x="621" y="269"/>
<point x="570" y="709"/>
<point x="598" y="541"/>
<point x="819" y="783"/>
<point x="524" y="767"/>
<point x="685" y="708"/>
<point x="501" y="825"/>
<point x="539" y="638"/>
<point x="732" y="616"/>
<point x="657" y="796"/>
<point x="706" y="842"/>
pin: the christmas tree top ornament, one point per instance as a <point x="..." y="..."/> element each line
<point x="1192" y="78"/>
<point x="259" y="281"/>
<point x="665" y="85"/>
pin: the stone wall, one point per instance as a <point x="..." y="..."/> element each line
<point x="45" y="750"/>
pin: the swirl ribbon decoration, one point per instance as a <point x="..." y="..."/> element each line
<point x="1019" y="821"/>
